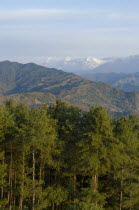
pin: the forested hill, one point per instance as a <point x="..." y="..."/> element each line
<point x="34" y="84"/>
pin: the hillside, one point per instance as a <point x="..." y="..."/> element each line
<point x="126" y="82"/>
<point x="34" y="85"/>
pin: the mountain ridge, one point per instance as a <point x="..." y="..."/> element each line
<point x="35" y="84"/>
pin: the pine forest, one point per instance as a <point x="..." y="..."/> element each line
<point x="59" y="157"/>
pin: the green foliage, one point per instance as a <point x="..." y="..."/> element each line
<point x="84" y="206"/>
<point x="60" y="157"/>
<point x="52" y="195"/>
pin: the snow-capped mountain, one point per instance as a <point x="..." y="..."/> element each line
<point x="121" y="72"/>
<point x="128" y="64"/>
<point x="75" y="65"/>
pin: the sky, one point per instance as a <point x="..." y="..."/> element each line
<point x="76" y="28"/>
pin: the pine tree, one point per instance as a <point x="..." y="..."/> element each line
<point x="69" y="121"/>
<point x="43" y="148"/>
<point x="96" y="149"/>
<point x="126" y="130"/>
<point x="6" y="127"/>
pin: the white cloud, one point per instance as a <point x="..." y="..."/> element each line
<point x="44" y="14"/>
<point x="124" y="17"/>
<point x="30" y="14"/>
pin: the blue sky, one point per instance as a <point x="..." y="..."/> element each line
<point x="78" y="28"/>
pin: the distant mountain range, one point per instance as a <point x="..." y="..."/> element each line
<point x="122" y="73"/>
<point x="121" y="65"/>
<point x="68" y="64"/>
<point x="34" y="85"/>
<point x="118" y="72"/>
<point x="78" y="66"/>
<point x="93" y="65"/>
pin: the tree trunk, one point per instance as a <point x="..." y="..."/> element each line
<point x="40" y="179"/>
<point x="95" y="185"/>
<point x="23" y="181"/>
<point x="33" y="179"/>
<point x="95" y="182"/>
<point x="121" y="193"/>
<point x="10" y="195"/>
<point x="121" y="199"/>
<point x="130" y="195"/>
<point x="2" y="188"/>
<point x="41" y="174"/>
<point x="53" y="206"/>
<point x="74" y="187"/>
<point x="14" y="198"/>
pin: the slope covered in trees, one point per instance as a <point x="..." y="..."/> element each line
<point x="33" y="85"/>
<point x="60" y="157"/>
<point x="126" y="82"/>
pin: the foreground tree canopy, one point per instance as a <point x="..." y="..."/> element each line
<point x="60" y="157"/>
